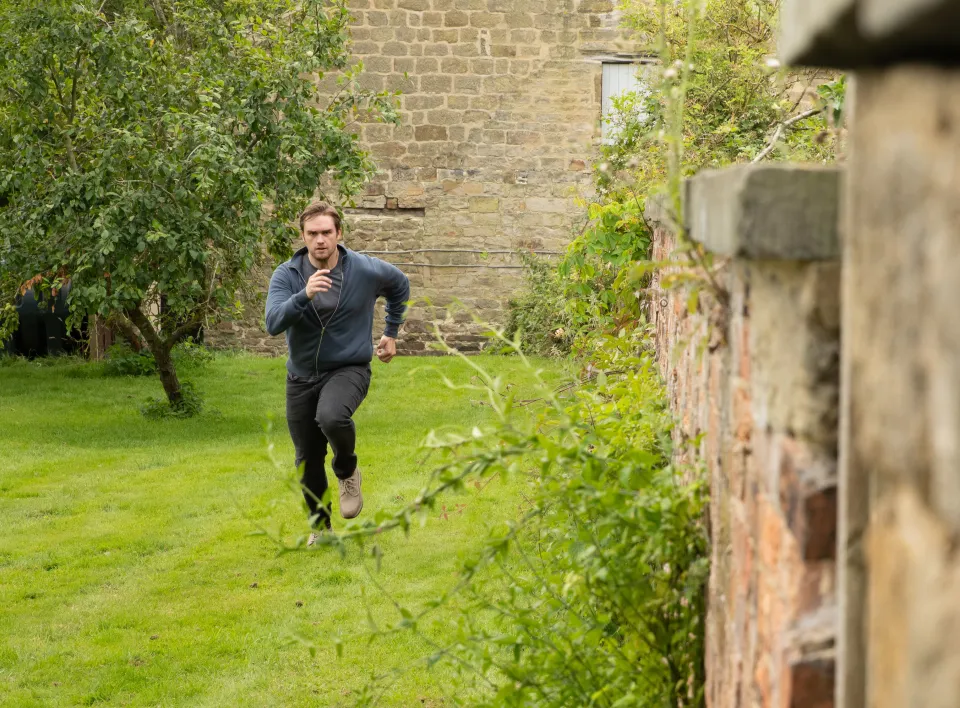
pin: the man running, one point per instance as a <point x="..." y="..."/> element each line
<point x="323" y="298"/>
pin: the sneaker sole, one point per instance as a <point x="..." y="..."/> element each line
<point x="355" y="515"/>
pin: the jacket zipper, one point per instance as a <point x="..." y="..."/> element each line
<point x="323" y="327"/>
<point x="323" y="331"/>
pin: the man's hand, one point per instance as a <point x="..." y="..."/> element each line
<point x="387" y="349"/>
<point x="318" y="283"/>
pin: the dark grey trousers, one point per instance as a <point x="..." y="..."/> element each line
<point x="320" y="411"/>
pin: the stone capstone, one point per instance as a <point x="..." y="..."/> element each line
<point x="772" y="212"/>
<point x="850" y="34"/>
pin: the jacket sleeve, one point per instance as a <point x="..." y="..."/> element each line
<point x="395" y="287"/>
<point x="285" y="302"/>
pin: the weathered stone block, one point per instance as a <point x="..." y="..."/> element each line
<point x="930" y="21"/>
<point x="395" y="49"/>
<point x="426" y="65"/>
<point x="766" y="212"/>
<point x="436" y="83"/>
<point x="485" y="19"/>
<point x="900" y="491"/>
<point x="862" y="33"/>
<point x="484" y="204"/>
<point x="456" y="19"/>
<point x="795" y="340"/>
<point x="540" y="204"/>
<point x="462" y="188"/>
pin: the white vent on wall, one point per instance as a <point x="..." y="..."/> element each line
<point x="618" y="78"/>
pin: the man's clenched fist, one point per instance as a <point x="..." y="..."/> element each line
<point x="318" y="283"/>
<point x="387" y="349"/>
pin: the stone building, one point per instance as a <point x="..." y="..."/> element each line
<point x="501" y="115"/>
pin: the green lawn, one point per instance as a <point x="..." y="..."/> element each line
<point x="128" y="572"/>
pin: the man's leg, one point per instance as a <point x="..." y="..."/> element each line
<point x="311" y="447"/>
<point x="341" y="395"/>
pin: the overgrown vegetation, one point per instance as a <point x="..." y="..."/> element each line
<point x="141" y="142"/>
<point x="594" y="594"/>
<point x="538" y="316"/>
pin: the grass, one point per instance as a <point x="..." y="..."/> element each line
<point x="128" y="572"/>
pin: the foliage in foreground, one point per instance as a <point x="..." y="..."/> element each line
<point x="141" y="142"/>
<point x="594" y="595"/>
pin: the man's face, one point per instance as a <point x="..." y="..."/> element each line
<point x="321" y="236"/>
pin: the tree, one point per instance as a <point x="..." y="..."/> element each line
<point x="150" y="149"/>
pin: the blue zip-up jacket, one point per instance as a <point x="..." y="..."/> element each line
<point x="348" y="337"/>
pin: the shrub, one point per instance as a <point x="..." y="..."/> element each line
<point x="537" y="315"/>
<point x="122" y="360"/>
<point x="191" y="404"/>
<point x="190" y="355"/>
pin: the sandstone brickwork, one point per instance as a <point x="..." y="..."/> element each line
<point x="753" y="378"/>
<point x="500" y="113"/>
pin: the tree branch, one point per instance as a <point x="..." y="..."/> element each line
<point x="186" y="329"/>
<point x="161" y="15"/>
<point x="127" y="330"/>
<point x="73" y="87"/>
<point x="149" y="332"/>
<point x="71" y="156"/>
<point x="780" y="128"/>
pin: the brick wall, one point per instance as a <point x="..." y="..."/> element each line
<point x="500" y="120"/>
<point x="753" y="378"/>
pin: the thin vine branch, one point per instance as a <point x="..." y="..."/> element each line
<point x="779" y="131"/>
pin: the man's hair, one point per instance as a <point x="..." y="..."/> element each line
<point x="320" y="209"/>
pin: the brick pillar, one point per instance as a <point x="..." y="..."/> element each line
<point x="755" y="376"/>
<point x="900" y="469"/>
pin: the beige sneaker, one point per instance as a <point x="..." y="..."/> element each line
<point x="351" y="500"/>
<point x="312" y="541"/>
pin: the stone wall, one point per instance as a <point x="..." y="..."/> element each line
<point x="753" y="377"/>
<point x="500" y="113"/>
<point x="835" y="579"/>
<point x="900" y="414"/>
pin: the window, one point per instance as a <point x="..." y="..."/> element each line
<point x="618" y="79"/>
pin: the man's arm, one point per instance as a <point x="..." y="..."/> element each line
<point x="285" y="304"/>
<point x="395" y="287"/>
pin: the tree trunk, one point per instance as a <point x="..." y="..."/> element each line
<point x="168" y="375"/>
<point x="160" y="348"/>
